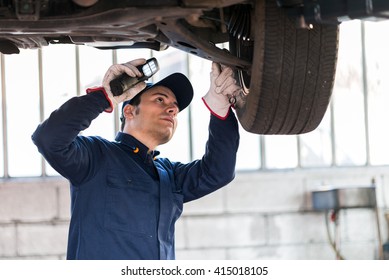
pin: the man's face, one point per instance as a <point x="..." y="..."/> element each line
<point x="156" y="115"/>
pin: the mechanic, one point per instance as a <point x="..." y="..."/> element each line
<point x="124" y="200"/>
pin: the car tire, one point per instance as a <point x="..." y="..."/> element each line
<point x="289" y="86"/>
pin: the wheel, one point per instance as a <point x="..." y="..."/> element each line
<point x="288" y="89"/>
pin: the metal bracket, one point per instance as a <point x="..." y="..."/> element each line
<point x="179" y="35"/>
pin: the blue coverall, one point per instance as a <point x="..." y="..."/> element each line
<point x="124" y="204"/>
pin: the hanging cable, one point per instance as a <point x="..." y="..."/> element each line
<point x="334" y="218"/>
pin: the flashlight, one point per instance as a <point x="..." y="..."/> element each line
<point x="124" y="82"/>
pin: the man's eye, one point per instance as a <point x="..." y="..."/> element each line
<point x="159" y="99"/>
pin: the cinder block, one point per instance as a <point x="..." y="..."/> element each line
<point x="7" y="241"/>
<point x="339" y="178"/>
<point x="180" y="233"/>
<point x="209" y="204"/>
<point x="225" y="231"/>
<point x="256" y="193"/>
<point x="201" y="254"/>
<point x="42" y="239"/>
<point x="24" y="201"/>
<point x="359" y="250"/>
<point x="63" y="199"/>
<point x="289" y="252"/>
<point x="296" y="228"/>
<point x="253" y="253"/>
<point x="42" y="257"/>
<point x="357" y="225"/>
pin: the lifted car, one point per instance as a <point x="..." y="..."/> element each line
<point x="284" y="52"/>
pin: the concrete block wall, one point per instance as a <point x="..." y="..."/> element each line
<point x="269" y="215"/>
<point x="260" y="215"/>
<point x="34" y="218"/>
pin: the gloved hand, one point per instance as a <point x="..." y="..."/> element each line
<point x="223" y="87"/>
<point x="116" y="70"/>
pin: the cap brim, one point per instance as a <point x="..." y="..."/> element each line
<point x="179" y="84"/>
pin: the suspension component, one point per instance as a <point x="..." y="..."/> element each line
<point x="239" y="25"/>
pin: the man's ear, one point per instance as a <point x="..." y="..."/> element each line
<point x="128" y="111"/>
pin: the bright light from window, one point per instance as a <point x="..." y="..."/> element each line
<point x="22" y="90"/>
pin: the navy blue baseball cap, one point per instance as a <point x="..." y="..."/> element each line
<point x="178" y="83"/>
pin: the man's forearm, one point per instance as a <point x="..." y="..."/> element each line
<point x="222" y="146"/>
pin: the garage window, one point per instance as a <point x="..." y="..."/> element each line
<point x="21" y="80"/>
<point x="376" y="45"/>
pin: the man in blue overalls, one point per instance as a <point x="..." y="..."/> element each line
<point x="124" y="200"/>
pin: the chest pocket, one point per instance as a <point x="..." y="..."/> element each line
<point x="131" y="203"/>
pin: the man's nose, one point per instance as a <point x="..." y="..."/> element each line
<point x="173" y="108"/>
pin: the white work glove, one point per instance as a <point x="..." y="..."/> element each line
<point x="223" y="87"/>
<point x="115" y="71"/>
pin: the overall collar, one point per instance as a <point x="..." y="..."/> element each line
<point x="136" y="146"/>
